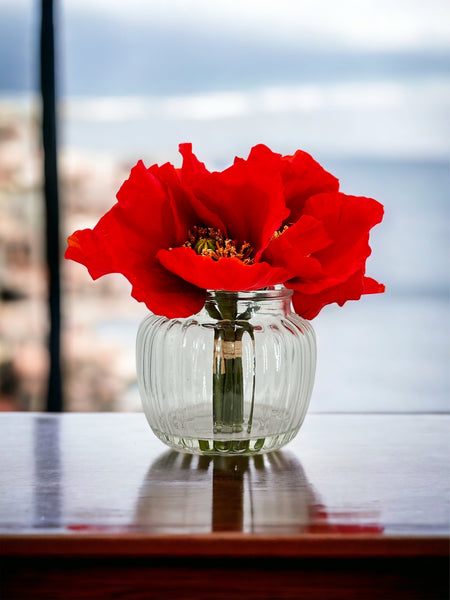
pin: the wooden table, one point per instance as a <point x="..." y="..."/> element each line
<point x="94" y="506"/>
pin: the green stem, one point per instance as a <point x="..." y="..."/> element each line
<point x="228" y="379"/>
<point x="228" y="374"/>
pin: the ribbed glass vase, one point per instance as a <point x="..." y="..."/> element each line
<point x="234" y="379"/>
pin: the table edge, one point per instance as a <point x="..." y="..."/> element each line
<point x="224" y="544"/>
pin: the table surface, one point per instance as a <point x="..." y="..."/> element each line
<point x="349" y="484"/>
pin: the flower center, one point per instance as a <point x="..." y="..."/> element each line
<point x="208" y="241"/>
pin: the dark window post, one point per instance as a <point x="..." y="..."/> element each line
<point x="54" y="393"/>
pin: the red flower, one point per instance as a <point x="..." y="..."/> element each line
<point x="264" y="221"/>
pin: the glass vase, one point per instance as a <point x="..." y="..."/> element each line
<point x="236" y="378"/>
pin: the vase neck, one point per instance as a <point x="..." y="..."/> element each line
<point x="225" y="305"/>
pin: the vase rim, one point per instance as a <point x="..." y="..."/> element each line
<point x="272" y="293"/>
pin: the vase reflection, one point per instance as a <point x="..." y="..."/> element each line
<point x="264" y="494"/>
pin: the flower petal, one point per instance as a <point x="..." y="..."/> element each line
<point x="87" y="248"/>
<point x="309" y="305"/>
<point x="191" y="173"/>
<point x="161" y="291"/>
<point x="143" y="210"/>
<point x="373" y="287"/>
<point x="248" y="199"/>
<point x="192" y="168"/>
<point x="224" y="274"/>
<point x="127" y="238"/>
<point x="292" y="249"/>
<point x="347" y="220"/>
<point x="184" y="214"/>
<point x="302" y="176"/>
<point x="166" y="294"/>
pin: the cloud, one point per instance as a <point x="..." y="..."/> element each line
<point x="366" y="25"/>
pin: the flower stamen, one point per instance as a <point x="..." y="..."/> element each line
<point x="208" y="241"/>
<point x="279" y="232"/>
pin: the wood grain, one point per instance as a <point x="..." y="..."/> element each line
<point x="94" y="506"/>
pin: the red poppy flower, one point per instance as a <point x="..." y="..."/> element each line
<point x="264" y="221"/>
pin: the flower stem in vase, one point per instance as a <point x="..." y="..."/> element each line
<point x="228" y="376"/>
<point x="228" y="384"/>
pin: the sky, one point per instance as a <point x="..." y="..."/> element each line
<point x="358" y="24"/>
<point x="352" y="70"/>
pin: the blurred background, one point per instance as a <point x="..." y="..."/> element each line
<point x="362" y="86"/>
